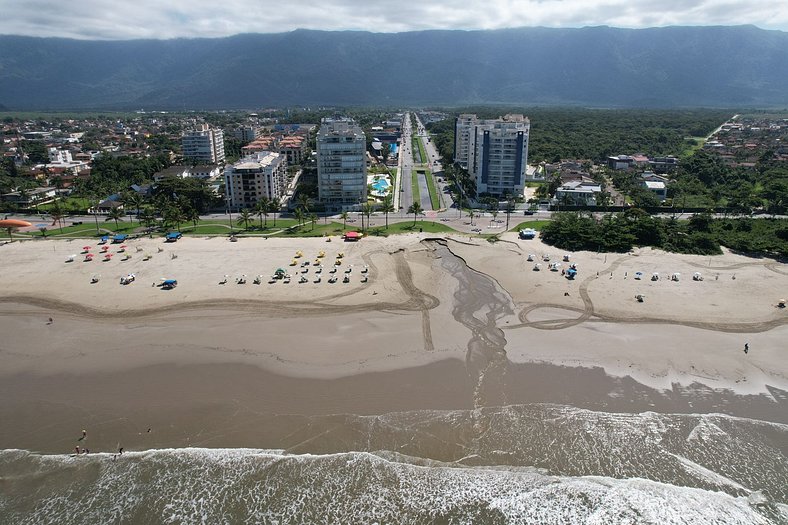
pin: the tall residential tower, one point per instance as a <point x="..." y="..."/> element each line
<point x="341" y="163"/>
<point x="494" y="151"/>
<point x="204" y="145"/>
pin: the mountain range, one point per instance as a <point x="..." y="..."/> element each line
<point x="741" y="66"/>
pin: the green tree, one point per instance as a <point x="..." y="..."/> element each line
<point x="261" y="210"/>
<point x="57" y="215"/>
<point x="273" y="208"/>
<point x="191" y="214"/>
<point x="244" y="216"/>
<point x="366" y="209"/>
<point x="115" y="214"/>
<point x="147" y="217"/>
<point x="344" y="216"/>
<point x="387" y="206"/>
<point x="134" y="200"/>
<point x="415" y="209"/>
<point x="299" y="216"/>
<point x="174" y="214"/>
<point x="509" y="208"/>
<point x="313" y="220"/>
<point x="303" y="201"/>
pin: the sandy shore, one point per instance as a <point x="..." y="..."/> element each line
<point x="207" y="356"/>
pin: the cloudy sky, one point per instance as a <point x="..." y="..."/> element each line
<point x="104" y="19"/>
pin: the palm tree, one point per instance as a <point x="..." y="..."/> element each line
<point x="303" y="201"/>
<point x="261" y="210"/>
<point x="115" y="214"/>
<point x="273" y="207"/>
<point x="174" y="214"/>
<point x="97" y="200"/>
<point x="191" y="214"/>
<point x="494" y="215"/>
<point x="471" y="215"/>
<point x="344" y="216"/>
<point x="147" y="218"/>
<point x="387" y="207"/>
<point x="509" y="208"/>
<point x="244" y="216"/>
<point x="299" y="215"/>
<point x="367" y="209"/>
<point x="57" y="215"/>
<point x="134" y="200"/>
<point x="415" y="209"/>
<point x="313" y="218"/>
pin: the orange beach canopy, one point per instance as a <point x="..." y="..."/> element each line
<point x="14" y="223"/>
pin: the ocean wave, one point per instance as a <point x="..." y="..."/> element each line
<point x="264" y="486"/>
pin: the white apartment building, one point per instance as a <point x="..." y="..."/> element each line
<point x="463" y="130"/>
<point x="341" y="163"/>
<point x="246" y="135"/>
<point x="494" y="152"/>
<point x="59" y="156"/>
<point x="262" y="174"/>
<point x="204" y="145"/>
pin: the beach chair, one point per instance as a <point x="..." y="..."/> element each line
<point x="258" y="279"/>
<point x="364" y="279"/>
<point x="71" y="258"/>
<point x="346" y="279"/>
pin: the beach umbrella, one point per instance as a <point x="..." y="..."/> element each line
<point x="86" y="248"/>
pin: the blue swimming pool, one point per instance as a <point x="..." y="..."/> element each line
<point x="381" y="185"/>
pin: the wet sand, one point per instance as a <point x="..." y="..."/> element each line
<point x="440" y="326"/>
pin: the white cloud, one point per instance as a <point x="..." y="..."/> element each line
<point x="100" y="19"/>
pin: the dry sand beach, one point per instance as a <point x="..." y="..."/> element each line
<point x="453" y="350"/>
<point x="206" y="347"/>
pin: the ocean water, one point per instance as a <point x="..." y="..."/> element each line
<point x="522" y="464"/>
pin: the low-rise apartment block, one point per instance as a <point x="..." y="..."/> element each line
<point x="263" y="174"/>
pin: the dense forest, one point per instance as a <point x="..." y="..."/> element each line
<point x="700" y="235"/>
<point x="594" y="135"/>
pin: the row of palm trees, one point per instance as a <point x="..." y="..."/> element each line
<point x="263" y="207"/>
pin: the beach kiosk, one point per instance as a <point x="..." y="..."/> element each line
<point x="352" y="236"/>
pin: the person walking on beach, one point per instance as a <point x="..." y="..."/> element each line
<point x="746" y="348"/>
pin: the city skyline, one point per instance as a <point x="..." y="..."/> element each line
<point x="93" y="19"/>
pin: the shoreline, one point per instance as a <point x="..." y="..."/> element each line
<point x="204" y="355"/>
